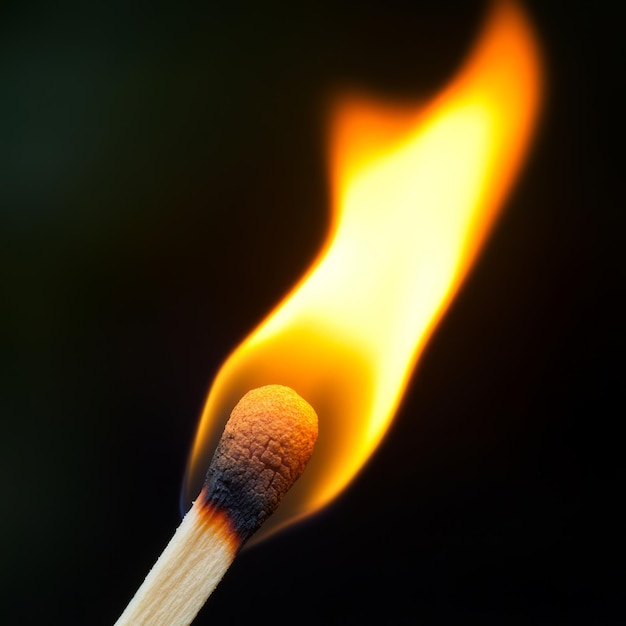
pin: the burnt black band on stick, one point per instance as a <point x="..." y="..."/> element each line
<point x="266" y="445"/>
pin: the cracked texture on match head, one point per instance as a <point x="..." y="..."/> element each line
<point x="266" y="445"/>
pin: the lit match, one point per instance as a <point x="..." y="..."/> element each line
<point x="265" y="447"/>
<point x="415" y="192"/>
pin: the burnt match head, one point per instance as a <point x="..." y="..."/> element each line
<point x="266" y="445"/>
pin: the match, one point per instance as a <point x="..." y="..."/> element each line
<point x="265" y="447"/>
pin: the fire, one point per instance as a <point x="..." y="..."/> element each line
<point x="415" y="193"/>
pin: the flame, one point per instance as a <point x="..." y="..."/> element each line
<point x="415" y="193"/>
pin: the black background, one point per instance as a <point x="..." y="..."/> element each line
<point x="162" y="185"/>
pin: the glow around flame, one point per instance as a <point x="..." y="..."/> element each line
<point x="415" y="192"/>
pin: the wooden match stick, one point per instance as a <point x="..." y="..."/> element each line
<point x="266" y="445"/>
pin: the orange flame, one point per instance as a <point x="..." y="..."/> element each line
<point x="415" y="193"/>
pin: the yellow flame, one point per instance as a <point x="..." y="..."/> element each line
<point x="415" y="193"/>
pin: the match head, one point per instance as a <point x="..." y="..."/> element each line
<point x="266" y="445"/>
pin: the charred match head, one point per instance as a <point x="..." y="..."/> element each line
<point x="266" y="445"/>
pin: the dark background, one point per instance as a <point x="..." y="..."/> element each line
<point x="162" y="185"/>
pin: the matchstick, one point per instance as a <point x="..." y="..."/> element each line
<point x="266" y="445"/>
